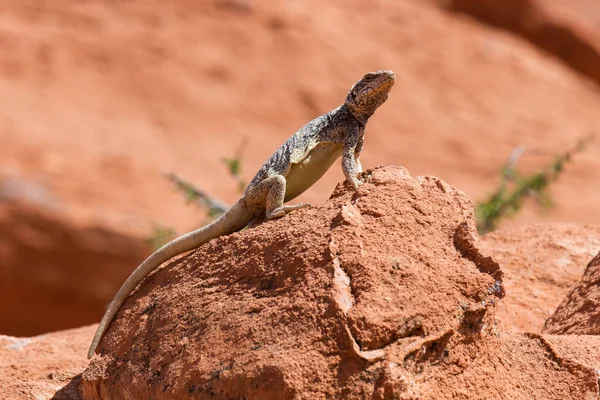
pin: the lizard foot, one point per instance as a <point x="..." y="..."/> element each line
<point x="356" y="182"/>
<point x="281" y="211"/>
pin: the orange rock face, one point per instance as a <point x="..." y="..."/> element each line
<point x="579" y="312"/>
<point x="561" y="28"/>
<point x="43" y="367"/>
<point x="55" y="274"/>
<point x="380" y="293"/>
<point x="541" y="264"/>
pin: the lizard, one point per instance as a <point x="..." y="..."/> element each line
<point x="292" y="169"/>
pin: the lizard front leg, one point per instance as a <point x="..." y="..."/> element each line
<point x="350" y="155"/>
<point x="357" y="151"/>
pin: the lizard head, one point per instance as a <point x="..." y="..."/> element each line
<point x="369" y="93"/>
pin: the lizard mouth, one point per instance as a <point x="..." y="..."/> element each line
<point x="388" y="83"/>
<point x="389" y="74"/>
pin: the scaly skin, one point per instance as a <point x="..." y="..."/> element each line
<point x="292" y="169"/>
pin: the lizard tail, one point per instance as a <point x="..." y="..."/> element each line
<point x="236" y="218"/>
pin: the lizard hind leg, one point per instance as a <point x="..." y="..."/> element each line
<point x="274" y="207"/>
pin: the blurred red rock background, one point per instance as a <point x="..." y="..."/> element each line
<point x="98" y="98"/>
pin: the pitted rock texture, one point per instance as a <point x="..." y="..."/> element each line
<point x="579" y="312"/>
<point x="381" y="293"/>
<point x="583" y="348"/>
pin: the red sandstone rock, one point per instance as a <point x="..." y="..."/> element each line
<point x="55" y="274"/>
<point x="579" y="312"/>
<point x="584" y="349"/>
<point x="383" y="293"/>
<point x="541" y="264"/>
<point x="567" y="29"/>
<point x="69" y="125"/>
<point x="43" y="367"/>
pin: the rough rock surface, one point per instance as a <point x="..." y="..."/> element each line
<point x="382" y="294"/>
<point x="583" y="348"/>
<point x="541" y="264"/>
<point x="579" y="312"/>
<point x="43" y="367"/>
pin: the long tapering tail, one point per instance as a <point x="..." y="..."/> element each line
<point x="236" y="218"/>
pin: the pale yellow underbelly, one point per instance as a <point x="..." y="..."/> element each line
<point x="306" y="172"/>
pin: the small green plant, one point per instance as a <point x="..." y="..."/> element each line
<point x="160" y="235"/>
<point x="193" y="195"/>
<point x="515" y="187"/>
<point x="234" y="164"/>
